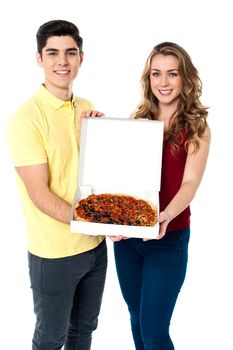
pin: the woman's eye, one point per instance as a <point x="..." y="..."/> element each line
<point x="155" y="74"/>
<point x="173" y="74"/>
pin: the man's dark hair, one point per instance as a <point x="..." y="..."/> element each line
<point x="57" y="28"/>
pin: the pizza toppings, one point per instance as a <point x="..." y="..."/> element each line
<point x="115" y="209"/>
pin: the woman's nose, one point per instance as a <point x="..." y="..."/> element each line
<point x="164" y="80"/>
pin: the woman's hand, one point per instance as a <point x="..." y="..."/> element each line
<point x="164" y="219"/>
<point x="117" y="238"/>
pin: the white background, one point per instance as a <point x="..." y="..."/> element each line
<point x="118" y="36"/>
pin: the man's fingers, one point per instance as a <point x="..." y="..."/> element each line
<point x="91" y="114"/>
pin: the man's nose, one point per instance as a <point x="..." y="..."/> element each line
<point x="63" y="60"/>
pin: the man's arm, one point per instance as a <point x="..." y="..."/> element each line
<point x="36" y="181"/>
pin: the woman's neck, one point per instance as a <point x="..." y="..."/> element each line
<point x="166" y="114"/>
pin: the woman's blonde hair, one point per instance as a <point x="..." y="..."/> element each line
<point x="191" y="115"/>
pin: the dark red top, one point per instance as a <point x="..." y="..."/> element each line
<point x="171" y="178"/>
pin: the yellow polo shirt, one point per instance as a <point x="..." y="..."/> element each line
<point x="45" y="129"/>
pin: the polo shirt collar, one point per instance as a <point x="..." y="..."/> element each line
<point x="52" y="100"/>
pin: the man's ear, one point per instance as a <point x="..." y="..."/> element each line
<point x="39" y="59"/>
<point x="81" y="58"/>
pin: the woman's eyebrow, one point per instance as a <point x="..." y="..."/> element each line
<point x="169" y="70"/>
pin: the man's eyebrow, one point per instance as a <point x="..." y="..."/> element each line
<point x="72" y="49"/>
<point x="50" y="49"/>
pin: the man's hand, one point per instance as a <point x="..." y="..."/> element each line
<point x="91" y="114"/>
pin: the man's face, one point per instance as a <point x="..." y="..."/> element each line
<point x="60" y="60"/>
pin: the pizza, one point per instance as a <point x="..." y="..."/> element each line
<point x="116" y="209"/>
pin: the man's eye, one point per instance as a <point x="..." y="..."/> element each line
<point x="52" y="53"/>
<point x="73" y="53"/>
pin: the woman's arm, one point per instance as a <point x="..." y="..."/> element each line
<point x="193" y="172"/>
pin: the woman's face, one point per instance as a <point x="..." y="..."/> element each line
<point x="165" y="79"/>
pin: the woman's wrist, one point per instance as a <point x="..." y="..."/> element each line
<point x="169" y="216"/>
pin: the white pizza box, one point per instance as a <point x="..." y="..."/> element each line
<point x="119" y="155"/>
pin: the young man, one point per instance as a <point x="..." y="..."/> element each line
<point x="67" y="271"/>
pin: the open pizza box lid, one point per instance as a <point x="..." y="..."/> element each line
<point x="119" y="156"/>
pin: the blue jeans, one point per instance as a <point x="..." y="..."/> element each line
<point x="67" y="294"/>
<point x="151" y="274"/>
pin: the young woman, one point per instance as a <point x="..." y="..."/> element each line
<point x="151" y="272"/>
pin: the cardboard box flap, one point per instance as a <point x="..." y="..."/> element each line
<point x="124" y="153"/>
